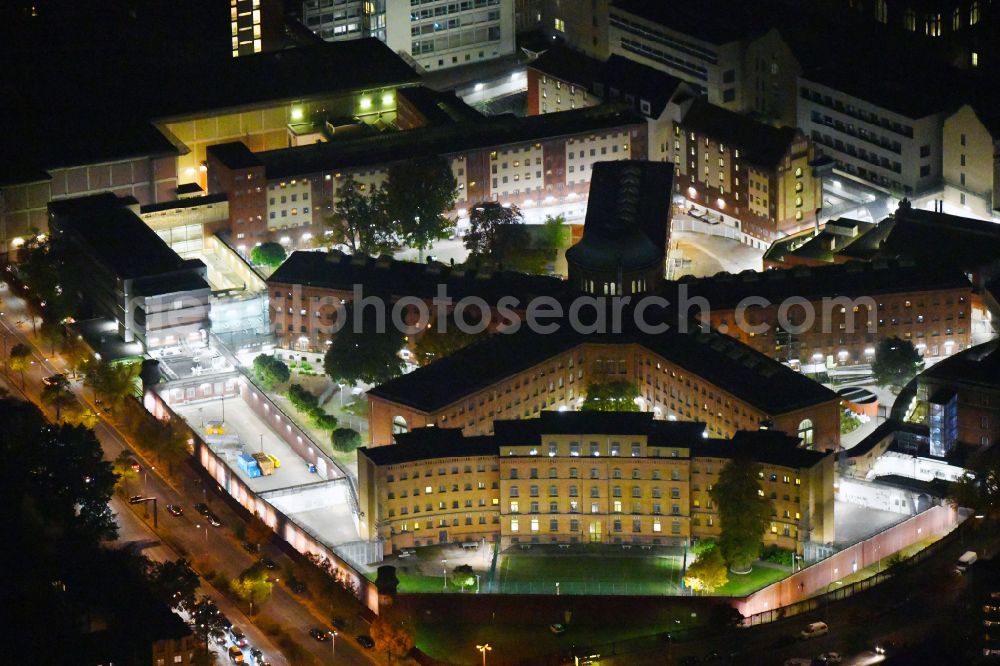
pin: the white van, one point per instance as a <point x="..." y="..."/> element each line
<point x="966" y="561"/>
<point x="814" y="630"/>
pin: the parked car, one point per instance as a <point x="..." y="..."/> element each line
<point x="175" y="510"/>
<point x="319" y="634"/>
<point x="557" y="628"/>
<point x="52" y="380"/>
<point x="251" y="548"/>
<point x="202" y="508"/>
<point x="814" y="630"/>
<point x="297" y="586"/>
<point x="965" y="561"/>
<point x="257" y="654"/>
<point x="236" y="655"/>
<point x="829" y="658"/>
<point x="213" y="519"/>
<point x="268" y="563"/>
<point x="238" y="636"/>
<point x="366" y="641"/>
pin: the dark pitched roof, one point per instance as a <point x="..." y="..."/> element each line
<point x="666" y="433"/>
<point x="852" y="279"/>
<point x="765" y="446"/>
<point x="126" y="244"/>
<point x="390" y="147"/>
<point x="928" y="236"/>
<point x="628" y="216"/>
<point x="428" y="443"/>
<point x="385" y="275"/>
<point x="235" y="155"/>
<point x="713" y="21"/>
<point x="976" y="365"/>
<point x="641" y="81"/>
<point x="568" y="64"/>
<point x="723" y="361"/>
<point x="758" y="143"/>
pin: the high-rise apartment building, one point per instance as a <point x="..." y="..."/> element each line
<point x="437" y="34"/>
<point x="257" y="25"/>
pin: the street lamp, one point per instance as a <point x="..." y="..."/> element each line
<point x="444" y="570"/>
<point x="333" y="643"/>
<point x="477" y="583"/>
<point x="483" y="649"/>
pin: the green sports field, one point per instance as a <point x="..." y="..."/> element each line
<point x="603" y="571"/>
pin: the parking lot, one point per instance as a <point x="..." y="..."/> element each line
<point x="254" y="435"/>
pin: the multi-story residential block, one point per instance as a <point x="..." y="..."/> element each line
<point x="256" y="25"/>
<point x="841" y="312"/>
<point x="306" y="288"/>
<point x="886" y="134"/>
<point x="701" y="43"/>
<point x="531" y="162"/>
<point x="755" y="177"/>
<point x="968" y="27"/>
<point x="966" y="387"/>
<point x="561" y="79"/>
<point x="700" y="376"/>
<point x="436" y="34"/>
<point x="584" y="478"/>
<point x="970" y="169"/>
<point x="583" y="25"/>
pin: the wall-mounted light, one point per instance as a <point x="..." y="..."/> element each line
<point x="297" y="113"/>
<point x="366" y="102"/>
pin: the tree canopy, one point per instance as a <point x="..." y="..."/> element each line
<point x="113" y="382"/>
<point x="496" y="231"/>
<point x="896" y="362"/>
<point x="360" y="220"/>
<point x="361" y="353"/>
<point x="345" y="440"/>
<point x="391" y="639"/>
<point x="418" y="194"/>
<point x="707" y="573"/>
<point x="270" y="371"/>
<point x="268" y="254"/>
<point x="612" y="396"/>
<point x="57" y="394"/>
<point x="20" y="360"/>
<point x="979" y="488"/>
<point x="744" y="514"/>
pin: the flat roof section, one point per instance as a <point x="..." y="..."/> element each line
<point x="129" y="247"/>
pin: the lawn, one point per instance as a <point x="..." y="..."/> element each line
<point x="742" y="585"/>
<point x="589" y="573"/>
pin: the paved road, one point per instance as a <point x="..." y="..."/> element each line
<point x="187" y="533"/>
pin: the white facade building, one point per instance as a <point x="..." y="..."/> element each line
<point x="437" y="34"/>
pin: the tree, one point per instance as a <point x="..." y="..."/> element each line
<point x="434" y="344"/>
<point x="707" y="573"/>
<point x="252" y="587"/>
<point x="56" y="394"/>
<point x="743" y="513"/>
<point x="124" y="466"/>
<point x="20" y="360"/>
<point x="270" y="371"/>
<point x="75" y="352"/>
<point x="168" y="441"/>
<point x="174" y="582"/>
<point x="52" y="334"/>
<point x="62" y="479"/>
<point x="394" y="641"/>
<point x="979" y="488"/>
<point x="418" y="194"/>
<point x="496" y="231"/>
<point x="361" y="353"/>
<point x="613" y="396"/>
<point x="345" y="440"/>
<point x="268" y="254"/>
<point x="257" y="531"/>
<point x="896" y="362"/>
<point x="113" y="382"/>
<point x="360" y="221"/>
<point x="463" y="576"/>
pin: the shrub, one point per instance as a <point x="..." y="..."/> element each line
<point x="346" y="439"/>
<point x="301" y="398"/>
